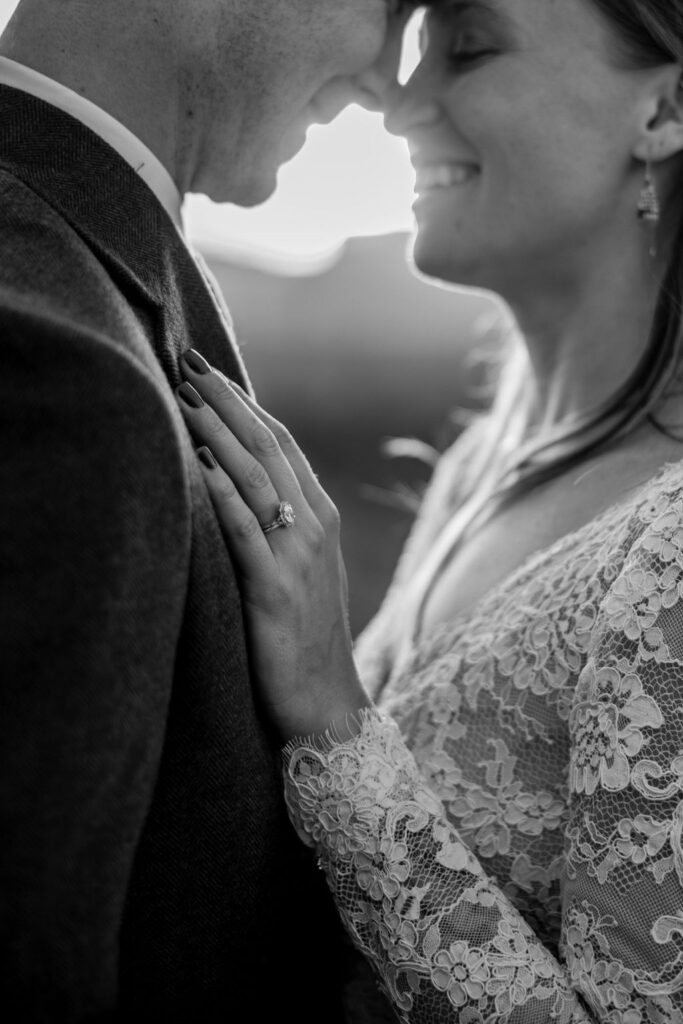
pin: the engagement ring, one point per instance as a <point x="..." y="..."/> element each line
<point x="285" y="517"/>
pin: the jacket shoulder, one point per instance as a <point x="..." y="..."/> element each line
<point x="48" y="271"/>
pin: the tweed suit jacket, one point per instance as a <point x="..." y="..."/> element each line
<point x="147" y="866"/>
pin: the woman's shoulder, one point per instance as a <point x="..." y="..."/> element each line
<point x="660" y="491"/>
<point x="616" y="487"/>
<point x="657" y="508"/>
<point x="668" y="478"/>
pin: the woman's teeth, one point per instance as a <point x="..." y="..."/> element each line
<point x="443" y="176"/>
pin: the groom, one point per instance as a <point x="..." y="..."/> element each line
<point x="147" y="866"/>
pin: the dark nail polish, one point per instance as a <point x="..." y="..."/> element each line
<point x="206" y="456"/>
<point x="190" y="396"/>
<point x="196" y="361"/>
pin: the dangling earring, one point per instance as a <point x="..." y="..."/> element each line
<point x="649" y="209"/>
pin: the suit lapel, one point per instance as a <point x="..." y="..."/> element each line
<point x="121" y="220"/>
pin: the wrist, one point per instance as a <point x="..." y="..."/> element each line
<point x="342" y="726"/>
<point x="338" y="718"/>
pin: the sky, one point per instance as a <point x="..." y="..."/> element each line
<point x="352" y="178"/>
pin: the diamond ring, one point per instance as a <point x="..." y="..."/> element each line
<point x="285" y="517"/>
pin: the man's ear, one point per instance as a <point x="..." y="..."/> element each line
<point x="661" y="131"/>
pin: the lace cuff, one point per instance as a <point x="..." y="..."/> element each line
<point x="442" y="937"/>
<point x="338" y="792"/>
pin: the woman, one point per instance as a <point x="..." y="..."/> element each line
<point x="502" y="830"/>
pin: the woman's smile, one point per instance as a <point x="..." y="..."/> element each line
<point x="435" y="177"/>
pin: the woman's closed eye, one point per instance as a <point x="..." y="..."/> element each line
<point x="469" y="48"/>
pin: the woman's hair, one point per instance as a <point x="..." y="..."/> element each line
<point x="647" y="33"/>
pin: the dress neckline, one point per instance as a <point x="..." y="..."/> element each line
<point x="476" y="514"/>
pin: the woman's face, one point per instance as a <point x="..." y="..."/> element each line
<point x="521" y="126"/>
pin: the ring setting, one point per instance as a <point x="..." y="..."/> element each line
<point x="285" y="517"/>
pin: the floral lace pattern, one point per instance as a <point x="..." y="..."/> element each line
<point x="504" y="838"/>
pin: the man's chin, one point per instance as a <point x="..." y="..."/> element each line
<point x="254" y="197"/>
<point x="292" y="147"/>
<point x="249" y="193"/>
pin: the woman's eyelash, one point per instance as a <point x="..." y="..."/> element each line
<point x="470" y="54"/>
<point x="466" y="50"/>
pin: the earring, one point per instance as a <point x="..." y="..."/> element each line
<point x="648" y="204"/>
<point x="649" y="209"/>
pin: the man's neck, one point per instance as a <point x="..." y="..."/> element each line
<point x="63" y="43"/>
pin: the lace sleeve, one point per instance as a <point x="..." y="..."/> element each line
<point x="445" y="941"/>
<point x="623" y="893"/>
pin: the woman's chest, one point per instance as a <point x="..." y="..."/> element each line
<point x="481" y="565"/>
<point x="461" y="574"/>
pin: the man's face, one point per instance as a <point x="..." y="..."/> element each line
<point x="260" y="73"/>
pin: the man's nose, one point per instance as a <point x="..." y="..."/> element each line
<point x="377" y="96"/>
<point x="375" y="85"/>
<point x="412" y="104"/>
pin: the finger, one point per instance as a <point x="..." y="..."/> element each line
<point x="249" y="429"/>
<point x="315" y="494"/>
<point x="244" y="535"/>
<point x="202" y="376"/>
<point x="260" y="493"/>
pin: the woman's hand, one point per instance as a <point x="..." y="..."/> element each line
<point x="292" y="578"/>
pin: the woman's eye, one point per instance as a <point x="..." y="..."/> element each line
<point x="468" y="49"/>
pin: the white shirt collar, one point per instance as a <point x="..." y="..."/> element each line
<point x="127" y="145"/>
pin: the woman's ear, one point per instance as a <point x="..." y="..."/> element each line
<point x="661" y="131"/>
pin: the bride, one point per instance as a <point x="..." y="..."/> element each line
<point x="494" y="786"/>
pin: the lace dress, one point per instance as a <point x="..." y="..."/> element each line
<point x="504" y="838"/>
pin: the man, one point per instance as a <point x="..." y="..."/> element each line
<point x="148" y="869"/>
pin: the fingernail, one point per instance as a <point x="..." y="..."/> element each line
<point x="190" y="396"/>
<point x="206" y="456"/>
<point x="196" y="361"/>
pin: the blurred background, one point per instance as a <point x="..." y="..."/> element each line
<point x="343" y="340"/>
